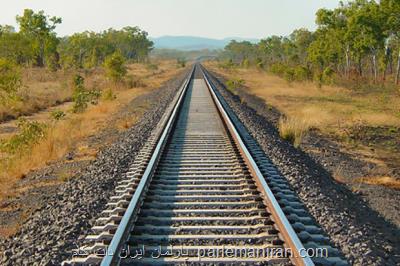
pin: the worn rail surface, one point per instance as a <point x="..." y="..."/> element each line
<point x="202" y="192"/>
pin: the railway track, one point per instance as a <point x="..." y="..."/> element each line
<point x="202" y="192"/>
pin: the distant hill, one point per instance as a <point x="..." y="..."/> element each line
<point x="188" y="43"/>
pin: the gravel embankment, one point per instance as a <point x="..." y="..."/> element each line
<point x="361" y="233"/>
<point x="65" y="216"/>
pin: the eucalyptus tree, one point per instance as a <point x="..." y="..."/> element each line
<point x="40" y="29"/>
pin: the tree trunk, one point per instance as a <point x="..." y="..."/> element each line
<point x="375" y="67"/>
<point x="360" y="67"/>
<point x="41" y="54"/>
<point x="398" y="69"/>
<point x="347" y="71"/>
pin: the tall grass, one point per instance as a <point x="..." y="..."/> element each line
<point x="293" y="130"/>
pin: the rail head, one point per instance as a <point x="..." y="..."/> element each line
<point x="286" y="229"/>
<point x="112" y="255"/>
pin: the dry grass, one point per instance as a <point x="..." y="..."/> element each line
<point x="327" y="108"/>
<point x="364" y="121"/>
<point x="41" y="89"/>
<point x="387" y="181"/>
<point x="70" y="133"/>
<point x="293" y="130"/>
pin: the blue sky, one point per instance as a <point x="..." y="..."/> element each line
<point x="206" y="18"/>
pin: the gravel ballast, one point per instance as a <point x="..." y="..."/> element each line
<point x="364" y="237"/>
<point x="51" y="233"/>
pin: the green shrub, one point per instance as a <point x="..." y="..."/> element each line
<point x="10" y="78"/>
<point x="83" y="97"/>
<point x="245" y="63"/>
<point x="30" y="132"/>
<point x="327" y="75"/>
<point x="57" y="115"/>
<point x="318" y="79"/>
<point x="302" y="73"/>
<point x="79" y="95"/>
<point x="289" y="74"/>
<point x="115" y="66"/>
<point x="278" y="69"/>
<point x="233" y="84"/>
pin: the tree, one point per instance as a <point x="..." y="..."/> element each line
<point x="40" y="28"/>
<point x="14" y="46"/>
<point x="391" y="10"/>
<point x="115" y="66"/>
<point x="365" y="30"/>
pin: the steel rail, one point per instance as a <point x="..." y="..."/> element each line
<point x="289" y="235"/>
<point x="112" y="255"/>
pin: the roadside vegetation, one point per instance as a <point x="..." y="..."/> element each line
<point x="356" y="45"/>
<point x="55" y="92"/>
<point x="341" y="80"/>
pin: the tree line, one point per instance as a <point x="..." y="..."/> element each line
<point x="358" y="39"/>
<point x="36" y="44"/>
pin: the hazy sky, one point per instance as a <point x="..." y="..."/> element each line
<point x="206" y="18"/>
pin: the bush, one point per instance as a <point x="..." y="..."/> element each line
<point x="289" y="74"/>
<point x="278" y="69"/>
<point x="233" y="84"/>
<point x="327" y="75"/>
<point x="10" y="78"/>
<point x="57" y="115"/>
<point x="318" y="79"/>
<point x="302" y="73"/>
<point x="115" y="67"/>
<point x="245" y="63"/>
<point x="81" y="96"/>
<point x="30" y="133"/>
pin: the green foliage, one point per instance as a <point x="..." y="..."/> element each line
<point x="36" y="43"/>
<point x="289" y="75"/>
<point x="108" y="95"/>
<point x="233" y="84"/>
<point x="89" y="49"/>
<point x="57" y="115"/>
<point x="39" y="28"/>
<point x="327" y="75"/>
<point x="239" y="53"/>
<point x="359" y="39"/>
<point x="10" y="78"/>
<point x="81" y="96"/>
<point x="115" y="67"/>
<point x="30" y="132"/>
<point x="278" y="68"/>
<point x="302" y="73"/>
